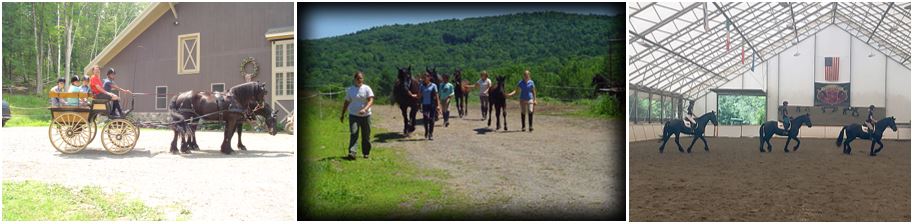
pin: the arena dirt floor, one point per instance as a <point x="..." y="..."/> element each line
<point x="735" y="182"/>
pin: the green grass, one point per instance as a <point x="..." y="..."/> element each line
<point x="28" y="117"/>
<point x="387" y="186"/>
<point x="30" y="200"/>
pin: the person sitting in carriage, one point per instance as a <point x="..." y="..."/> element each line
<point x="104" y="90"/>
<point x="869" y="123"/>
<point x="690" y="118"/>
<point x="59" y="88"/>
<point x="786" y="120"/>
<point x="75" y="87"/>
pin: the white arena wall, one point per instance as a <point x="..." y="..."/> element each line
<point x="875" y="79"/>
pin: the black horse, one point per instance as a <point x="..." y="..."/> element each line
<point x="498" y="100"/>
<point x="770" y="128"/>
<point x="240" y="103"/>
<point x="402" y="92"/>
<point x="462" y="93"/>
<point x="852" y="131"/>
<point x="676" y="127"/>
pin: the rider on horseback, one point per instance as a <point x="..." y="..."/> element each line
<point x="786" y="120"/>
<point x="869" y="123"/>
<point x="690" y="118"/>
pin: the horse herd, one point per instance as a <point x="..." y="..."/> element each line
<point x="848" y="133"/>
<point x="406" y="86"/>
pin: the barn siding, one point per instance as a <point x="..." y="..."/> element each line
<point x="229" y="32"/>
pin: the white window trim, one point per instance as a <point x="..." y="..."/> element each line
<point x="181" y="50"/>
<point x="211" y="89"/>
<point x="275" y="95"/>
<point x="156" y="98"/>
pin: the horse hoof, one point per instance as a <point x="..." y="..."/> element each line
<point x="242" y="148"/>
<point x="186" y="152"/>
<point x="227" y="152"/>
<point x="872" y="154"/>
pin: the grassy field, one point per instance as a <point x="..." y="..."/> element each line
<point x="37" y="113"/>
<point x="386" y="186"/>
<point x="31" y="200"/>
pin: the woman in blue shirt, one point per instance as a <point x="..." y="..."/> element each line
<point x="526" y="99"/>
<point x="430" y="104"/>
<point x="446" y="93"/>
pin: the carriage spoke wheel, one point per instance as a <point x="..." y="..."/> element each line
<point x="70" y="133"/>
<point x="119" y="136"/>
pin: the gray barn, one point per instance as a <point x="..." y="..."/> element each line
<point x="175" y="47"/>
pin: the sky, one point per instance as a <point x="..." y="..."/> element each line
<point x="320" y="20"/>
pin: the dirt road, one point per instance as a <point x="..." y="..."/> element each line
<point x="255" y="185"/>
<point x="565" y="169"/>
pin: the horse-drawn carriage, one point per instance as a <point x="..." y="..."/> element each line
<point x="72" y="128"/>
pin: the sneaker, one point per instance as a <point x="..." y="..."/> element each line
<point x="431" y="138"/>
<point x="530" y="129"/>
<point x="366" y="156"/>
<point x="524" y="129"/>
<point x="351" y="156"/>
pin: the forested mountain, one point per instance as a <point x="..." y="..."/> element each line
<point x="560" y="49"/>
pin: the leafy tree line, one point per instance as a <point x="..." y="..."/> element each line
<point x="560" y="49"/>
<point x="44" y="41"/>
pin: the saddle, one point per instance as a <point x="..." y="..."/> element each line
<point x="687" y="124"/>
<point x="865" y="128"/>
<point x="780" y="125"/>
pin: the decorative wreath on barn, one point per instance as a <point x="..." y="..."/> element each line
<point x="254" y="66"/>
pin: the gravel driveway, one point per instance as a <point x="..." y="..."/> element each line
<point x="258" y="184"/>
<point x="566" y="169"/>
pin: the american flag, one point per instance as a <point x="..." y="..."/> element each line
<point x="831" y="68"/>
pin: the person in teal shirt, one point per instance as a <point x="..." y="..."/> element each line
<point x="526" y="98"/>
<point x="446" y="93"/>
<point x="75" y="87"/>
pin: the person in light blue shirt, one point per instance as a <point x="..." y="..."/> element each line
<point x="446" y="93"/>
<point x="430" y="104"/>
<point x="526" y="99"/>
<point x="75" y="87"/>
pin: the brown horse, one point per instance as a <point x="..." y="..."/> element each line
<point x="402" y="92"/>
<point x="240" y="103"/>
<point x="462" y="93"/>
<point x="498" y="100"/>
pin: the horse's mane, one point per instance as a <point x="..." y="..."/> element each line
<point x="884" y="120"/>
<point x="247" y="92"/>
<point x="706" y="114"/>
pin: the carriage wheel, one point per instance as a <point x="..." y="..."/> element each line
<point x="93" y="128"/>
<point x="119" y="136"/>
<point x="70" y="133"/>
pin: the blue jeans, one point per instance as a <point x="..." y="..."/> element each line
<point x="356" y="124"/>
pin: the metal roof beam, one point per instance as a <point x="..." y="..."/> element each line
<point x="664" y="21"/>
<point x="736" y="28"/>
<point x="879" y="22"/>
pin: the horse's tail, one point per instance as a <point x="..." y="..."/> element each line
<point x="664" y="132"/>
<point x="761" y="132"/>
<point x="839" y="139"/>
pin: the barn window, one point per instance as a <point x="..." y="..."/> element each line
<point x="283" y="69"/>
<point x="161" y="97"/>
<point x="741" y="109"/>
<point x="188" y="54"/>
<point x="217" y="87"/>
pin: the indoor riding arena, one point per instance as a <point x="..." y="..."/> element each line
<point x="735" y="64"/>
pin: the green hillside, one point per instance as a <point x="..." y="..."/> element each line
<point x="560" y="49"/>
